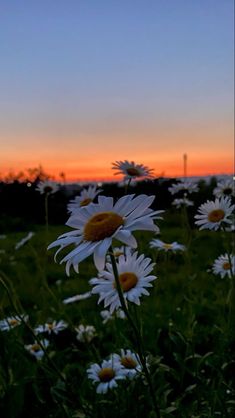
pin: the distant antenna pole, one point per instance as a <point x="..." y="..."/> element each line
<point x="185" y="158"/>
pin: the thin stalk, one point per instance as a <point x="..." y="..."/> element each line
<point x="43" y="275"/>
<point x="187" y="226"/>
<point x="229" y="257"/>
<point x="136" y="333"/>
<point x="231" y="293"/>
<point x="46" y="214"/>
<point x="127" y="185"/>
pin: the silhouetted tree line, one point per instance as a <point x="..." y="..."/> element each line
<point x="22" y="206"/>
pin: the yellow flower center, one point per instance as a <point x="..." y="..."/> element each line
<point x="35" y="347"/>
<point x="167" y="246"/>
<point x="226" y="266"/>
<point x="50" y="326"/>
<point x="127" y="281"/>
<point x="216" y="215"/>
<point x="85" y="202"/>
<point x="13" y="322"/>
<point x="128" y="362"/>
<point x="106" y="374"/>
<point x="102" y="225"/>
<point x="133" y="172"/>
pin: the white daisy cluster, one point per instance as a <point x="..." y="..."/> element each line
<point x="11" y="322"/>
<point x="85" y="333"/>
<point x="131" y="170"/>
<point x="224" y="266"/>
<point x="117" y="367"/>
<point x="96" y="225"/>
<point x="184" y="201"/>
<point x="86" y="197"/>
<point x="36" y="350"/>
<point x="186" y="187"/>
<point x="47" y="187"/>
<point x="213" y="215"/>
<point x="133" y="277"/>
<point x="53" y="327"/>
<point x="183" y="186"/>
<point x="107" y="316"/>
<point x="160" y="245"/>
<point x="225" y="187"/>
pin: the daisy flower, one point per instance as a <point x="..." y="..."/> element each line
<point x="132" y="170"/>
<point x="85" y="333"/>
<point x="47" y="187"/>
<point x="118" y="251"/>
<point x="160" y="245"/>
<point x="77" y="298"/>
<point x="182" y="202"/>
<point x="95" y="227"/>
<point x="230" y="228"/>
<point x="223" y="267"/>
<point x="106" y="375"/>
<point x="36" y="350"/>
<point x="86" y="197"/>
<point x="133" y="277"/>
<point x="187" y="186"/>
<point x="130" y="362"/>
<point x="11" y="322"/>
<point x="24" y="240"/>
<point x="213" y="214"/>
<point x="225" y="188"/>
<point x="51" y="327"/>
<point x="107" y="316"/>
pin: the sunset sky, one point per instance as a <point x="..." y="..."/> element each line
<point x="84" y="83"/>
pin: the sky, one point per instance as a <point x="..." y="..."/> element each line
<point x="86" y="83"/>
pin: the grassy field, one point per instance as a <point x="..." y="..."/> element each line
<point x="185" y="325"/>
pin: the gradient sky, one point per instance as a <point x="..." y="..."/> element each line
<point x="84" y="83"/>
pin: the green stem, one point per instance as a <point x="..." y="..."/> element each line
<point x="187" y="226"/>
<point x="127" y="185"/>
<point x="231" y="292"/>
<point x="43" y="275"/>
<point x="137" y="334"/>
<point x="46" y="213"/>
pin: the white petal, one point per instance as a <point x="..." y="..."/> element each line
<point x="100" y="253"/>
<point x="126" y="237"/>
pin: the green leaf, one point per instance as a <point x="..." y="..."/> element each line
<point x="190" y="388"/>
<point x="169" y="410"/>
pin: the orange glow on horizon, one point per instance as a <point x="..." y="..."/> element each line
<point x="89" y="157"/>
<point x="164" y="168"/>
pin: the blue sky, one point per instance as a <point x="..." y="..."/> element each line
<point x="95" y="72"/>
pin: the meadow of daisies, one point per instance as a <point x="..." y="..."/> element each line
<point x="126" y="310"/>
